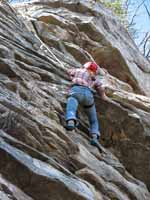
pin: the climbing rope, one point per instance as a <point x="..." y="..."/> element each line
<point x="102" y="72"/>
<point x="36" y="35"/>
<point x="48" y="49"/>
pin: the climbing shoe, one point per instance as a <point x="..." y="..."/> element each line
<point x="70" y="125"/>
<point x="94" y="141"/>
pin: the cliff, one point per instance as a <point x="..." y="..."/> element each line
<point x="40" y="160"/>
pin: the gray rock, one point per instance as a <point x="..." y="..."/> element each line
<point x="39" y="158"/>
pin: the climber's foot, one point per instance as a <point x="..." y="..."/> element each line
<point x="70" y="125"/>
<point x="94" y="141"/>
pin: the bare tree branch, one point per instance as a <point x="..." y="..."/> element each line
<point x="143" y="40"/>
<point x="148" y="12"/>
<point x="145" y="45"/>
<point x="135" y="13"/>
<point x="127" y="4"/>
<point x="148" y="54"/>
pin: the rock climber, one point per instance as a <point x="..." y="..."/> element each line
<point x="83" y="82"/>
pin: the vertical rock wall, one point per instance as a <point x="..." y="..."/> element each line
<point x="39" y="158"/>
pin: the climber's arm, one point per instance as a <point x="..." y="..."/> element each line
<point x="71" y="73"/>
<point x="101" y="91"/>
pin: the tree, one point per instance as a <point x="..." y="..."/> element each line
<point x="117" y="6"/>
<point x="141" y="38"/>
<point x="128" y="11"/>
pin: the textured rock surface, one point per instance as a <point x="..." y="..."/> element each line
<point x="39" y="158"/>
<point x="9" y="191"/>
<point x="94" y="29"/>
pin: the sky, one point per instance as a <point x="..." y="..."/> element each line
<point x="142" y="20"/>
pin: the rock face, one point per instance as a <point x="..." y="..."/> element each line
<point x="86" y="26"/>
<point x="40" y="160"/>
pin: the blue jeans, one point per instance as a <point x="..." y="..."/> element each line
<point x="84" y="96"/>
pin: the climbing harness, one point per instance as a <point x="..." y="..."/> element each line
<point x="88" y="106"/>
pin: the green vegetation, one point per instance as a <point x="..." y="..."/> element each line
<point x="117" y="6"/>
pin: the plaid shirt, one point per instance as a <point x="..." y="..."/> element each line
<point x="83" y="77"/>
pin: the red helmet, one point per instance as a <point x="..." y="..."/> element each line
<point x="91" y="66"/>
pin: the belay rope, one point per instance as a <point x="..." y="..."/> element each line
<point x="42" y="43"/>
<point x="102" y="72"/>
